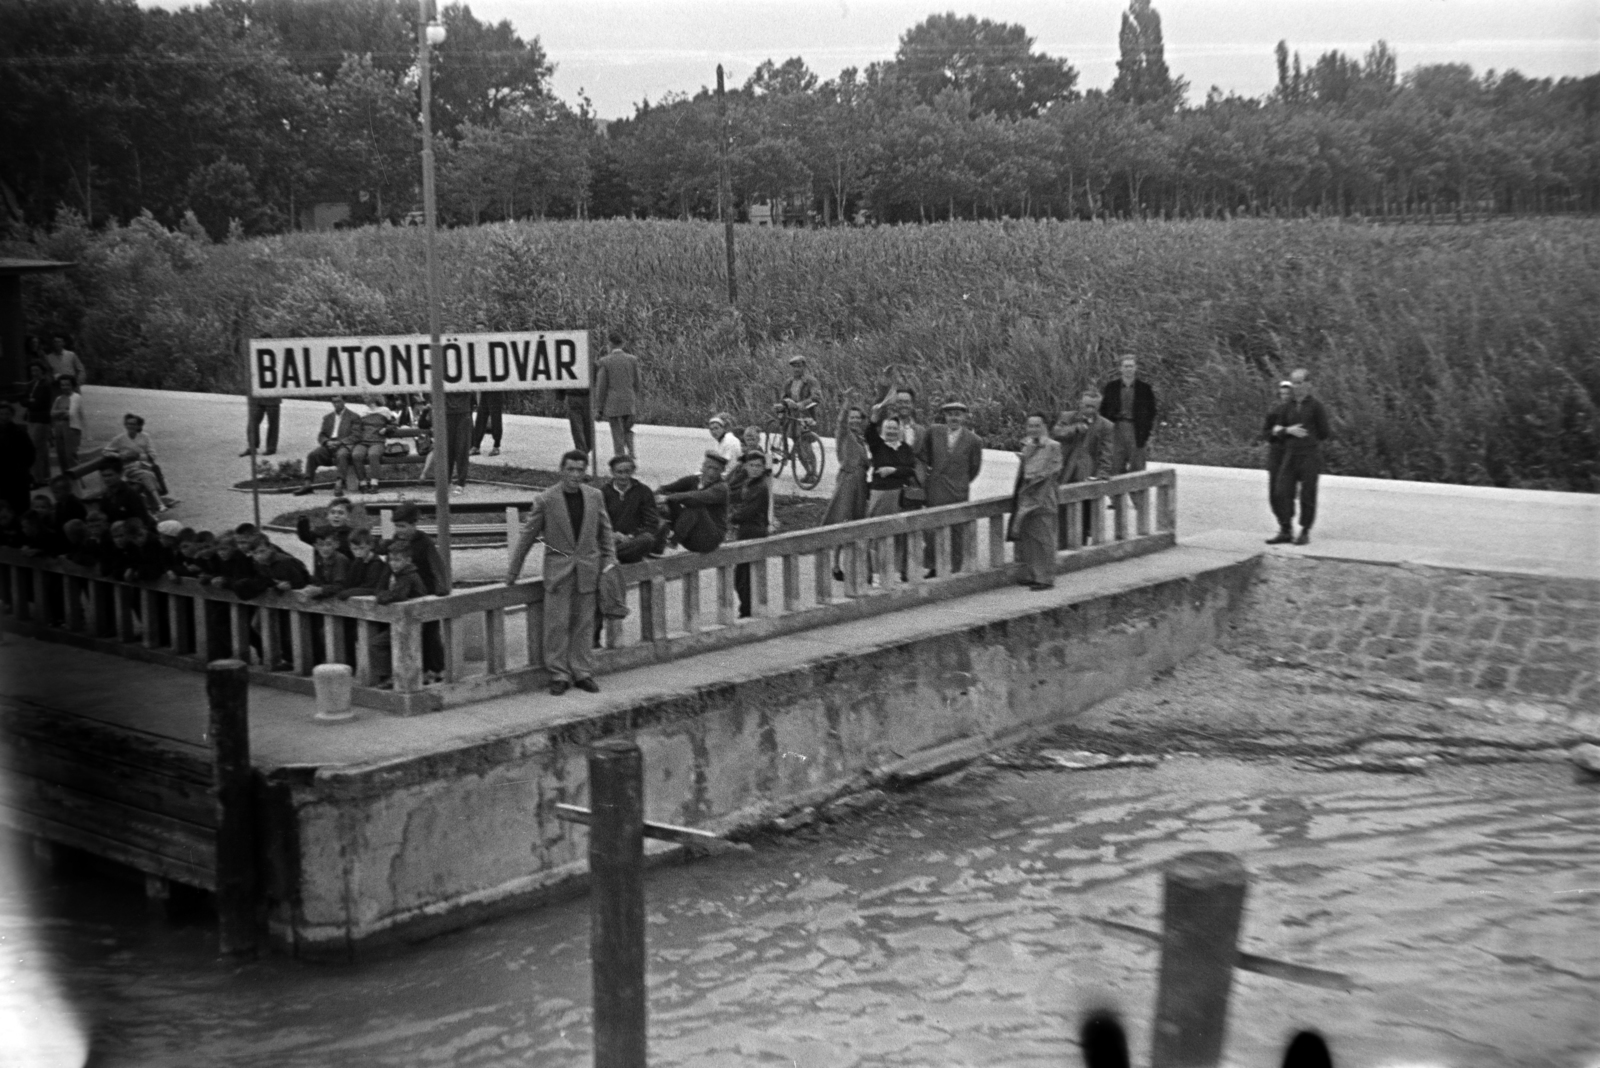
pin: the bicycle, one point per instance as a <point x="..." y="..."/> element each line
<point x="789" y="437"/>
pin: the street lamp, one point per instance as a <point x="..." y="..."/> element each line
<point x="430" y="33"/>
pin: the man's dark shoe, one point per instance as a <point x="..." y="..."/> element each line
<point x="1304" y="538"/>
<point x="304" y="490"/>
<point x="559" y="687"/>
<point x="245" y="453"/>
<point x="1283" y="537"/>
<point x="587" y="685"/>
<point x="932" y="572"/>
<point x="838" y="574"/>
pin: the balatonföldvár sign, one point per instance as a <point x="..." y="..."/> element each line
<point x="325" y="366"/>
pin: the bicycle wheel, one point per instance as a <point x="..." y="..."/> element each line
<point x="804" y="477"/>
<point x="777" y="448"/>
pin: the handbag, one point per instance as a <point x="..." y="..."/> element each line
<point x="613" y="598"/>
<point x="913" y="492"/>
<point x="394" y="448"/>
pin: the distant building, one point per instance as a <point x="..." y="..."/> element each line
<point x="323" y="215"/>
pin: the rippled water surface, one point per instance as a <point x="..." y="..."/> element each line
<point x="943" y="930"/>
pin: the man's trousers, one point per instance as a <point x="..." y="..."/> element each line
<point x="1299" y="470"/>
<point x="569" y="626"/>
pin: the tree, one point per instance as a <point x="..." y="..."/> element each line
<point x="371" y="135"/>
<point x="482" y="71"/>
<point x="992" y="62"/>
<point x="793" y="78"/>
<point x="1142" y="75"/>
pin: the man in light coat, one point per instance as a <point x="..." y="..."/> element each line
<point x="616" y="388"/>
<point x="952" y="456"/>
<point x="1085" y="437"/>
<point x="571" y="519"/>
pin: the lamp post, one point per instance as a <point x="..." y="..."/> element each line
<point x="430" y="33"/>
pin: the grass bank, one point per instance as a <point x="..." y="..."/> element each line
<point x="1467" y="354"/>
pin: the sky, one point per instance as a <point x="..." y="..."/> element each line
<point x="619" y="52"/>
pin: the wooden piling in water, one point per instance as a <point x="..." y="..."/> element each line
<point x="1203" y="907"/>
<point x="616" y="931"/>
<point x="228" y="693"/>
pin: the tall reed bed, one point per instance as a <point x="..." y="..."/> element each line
<point x="1459" y="354"/>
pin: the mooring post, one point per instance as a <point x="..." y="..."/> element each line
<point x="228" y="691"/>
<point x="1202" y="909"/>
<point x="616" y="919"/>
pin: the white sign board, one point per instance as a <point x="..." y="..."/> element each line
<point x="326" y="366"/>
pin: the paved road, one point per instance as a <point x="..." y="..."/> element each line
<point x="199" y="435"/>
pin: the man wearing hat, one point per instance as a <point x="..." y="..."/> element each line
<point x="953" y="456"/>
<point x="632" y="508"/>
<point x="801" y="395"/>
<point x="697" y="505"/>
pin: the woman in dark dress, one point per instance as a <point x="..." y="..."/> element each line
<point x="893" y="468"/>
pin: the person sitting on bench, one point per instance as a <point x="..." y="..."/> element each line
<point x="337" y="437"/>
<point x="697" y="506"/>
<point x="635" y="523"/>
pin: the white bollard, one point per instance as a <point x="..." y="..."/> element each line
<point x="333" y="683"/>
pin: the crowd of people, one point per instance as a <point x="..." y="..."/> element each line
<point x="888" y="462"/>
<point x="111" y="537"/>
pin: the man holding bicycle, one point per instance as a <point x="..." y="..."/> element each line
<point x="801" y="395"/>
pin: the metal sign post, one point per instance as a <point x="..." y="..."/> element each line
<point x="441" y="421"/>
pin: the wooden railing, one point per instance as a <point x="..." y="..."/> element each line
<point x="679" y="605"/>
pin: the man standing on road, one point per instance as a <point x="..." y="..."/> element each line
<point x="1130" y="404"/>
<point x="952" y="456"/>
<point x="1085" y="437"/>
<point x="1305" y="429"/>
<point x="258" y="408"/>
<point x="571" y="519"/>
<point x="616" y="385"/>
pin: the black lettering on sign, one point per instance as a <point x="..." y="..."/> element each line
<point x="566" y="359"/>
<point x="424" y="366"/>
<point x="501" y="371"/>
<point x="266" y="369"/>
<point x="311" y="379"/>
<point x="333" y="369"/>
<point x="350" y="354"/>
<point x="472" y="363"/>
<point x="541" y="362"/>
<point x="449" y="348"/>
<point x="519" y="355"/>
<point x="400" y="356"/>
<point x="291" y="369"/>
<point x="375" y="375"/>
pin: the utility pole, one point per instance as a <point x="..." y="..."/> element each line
<point x="428" y="32"/>
<point x="725" y="187"/>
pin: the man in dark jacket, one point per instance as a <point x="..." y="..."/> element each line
<point x="1130" y="404"/>
<point x="16" y="461"/>
<point x="635" y="523"/>
<point x="335" y="438"/>
<point x="697" y="506"/>
<point x="1305" y="429"/>
<point x="119" y="499"/>
<point x="747" y="514"/>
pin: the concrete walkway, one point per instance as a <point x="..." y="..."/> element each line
<point x="198" y="437"/>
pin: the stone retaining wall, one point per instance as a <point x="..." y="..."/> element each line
<point x="1496" y="634"/>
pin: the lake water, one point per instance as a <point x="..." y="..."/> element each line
<point x="945" y="928"/>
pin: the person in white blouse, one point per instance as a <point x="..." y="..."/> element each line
<point x="727" y="439"/>
<point x="66" y="422"/>
<point x="138" y="455"/>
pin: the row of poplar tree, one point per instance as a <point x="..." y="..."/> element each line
<point x="249" y="110"/>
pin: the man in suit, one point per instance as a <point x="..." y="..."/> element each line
<point x="1130" y="404"/>
<point x="631" y="507"/>
<point x="1305" y="428"/>
<point x="337" y="436"/>
<point x="952" y="456"/>
<point x="571" y="518"/>
<point x="697" y="505"/>
<point x="616" y="385"/>
<point x="1085" y="436"/>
